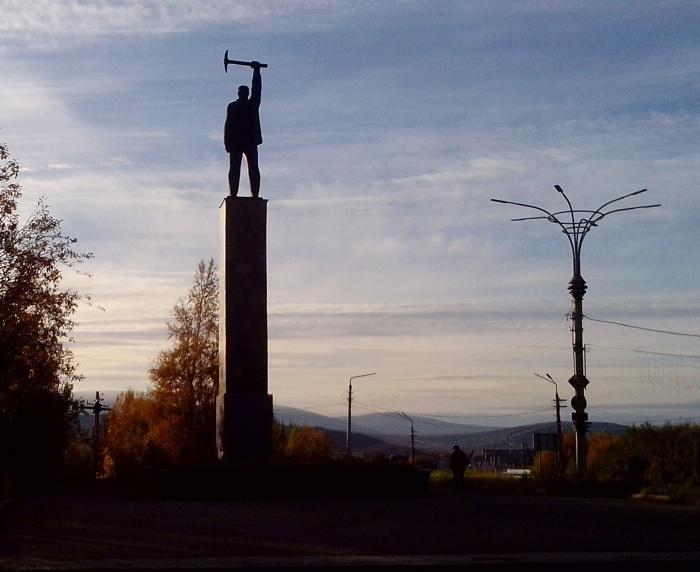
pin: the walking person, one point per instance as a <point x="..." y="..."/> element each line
<point x="458" y="464"/>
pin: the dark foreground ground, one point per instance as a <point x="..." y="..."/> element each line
<point x="105" y="528"/>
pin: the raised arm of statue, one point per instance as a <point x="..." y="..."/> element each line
<point x="256" y="91"/>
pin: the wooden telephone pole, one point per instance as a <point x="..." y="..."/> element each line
<point x="96" y="407"/>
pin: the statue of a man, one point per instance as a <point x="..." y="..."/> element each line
<point x="242" y="133"/>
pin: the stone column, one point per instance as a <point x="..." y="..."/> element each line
<point x="243" y="406"/>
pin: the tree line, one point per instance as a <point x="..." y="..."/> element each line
<point x="656" y="459"/>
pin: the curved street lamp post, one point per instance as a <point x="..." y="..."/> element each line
<point x="348" y="442"/>
<point x="558" y="406"/>
<point x="413" y="437"/>
<point x="576" y="230"/>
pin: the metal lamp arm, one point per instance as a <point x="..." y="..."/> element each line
<point x="550" y="217"/>
<point x="545" y="378"/>
<point x="575" y="236"/>
<point x="627" y="209"/>
<point x="571" y="210"/>
<point x="599" y="210"/>
<point x="601" y="207"/>
<point x="522" y="205"/>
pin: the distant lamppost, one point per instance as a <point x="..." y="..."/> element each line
<point x="348" y="442"/>
<point x="413" y="437"/>
<point x="558" y="406"/>
<point x="576" y="231"/>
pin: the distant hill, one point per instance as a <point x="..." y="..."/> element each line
<point x="362" y="444"/>
<point x="287" y="415"/>
<point x="504" y="438"/>
<point x="382" y="433"/>
<point x="378" y="424"/>
<point x="393" y="423"/>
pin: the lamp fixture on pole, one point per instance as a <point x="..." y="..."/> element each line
<point x="576" y="224"/>
<point x="558" y="406"/>
<point x="413" y="437"/>
<point x="348" y="442"/>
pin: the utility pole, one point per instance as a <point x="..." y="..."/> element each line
<point x="576" y="231"/>
<point x="97" y="407"/>
<point x="413" y="437"/>
<point x="557" y="406"/>
<point x="348" y="441"/>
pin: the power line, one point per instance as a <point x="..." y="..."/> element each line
<point x="381" y="410"/>
<point x="417" y="416"/>
<point x="646" y="352"/>
<point x="531" y="411"/>
<point x="471" y="416"/>
<point x="322" y="406"/>
<point x="394" y="412"/>
<point x="642" y="328"/>
<point x="664" y="354"/>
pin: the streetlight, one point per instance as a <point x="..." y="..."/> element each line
<point x="413" y="437"/>
<point x="348" y="442"/>
<point x="576" y="231"/>
<point x="558" y="406"/>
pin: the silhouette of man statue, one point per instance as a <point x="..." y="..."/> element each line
<point x="242" y="134"/>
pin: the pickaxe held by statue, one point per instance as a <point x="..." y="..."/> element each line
<point x="238" y="63"/>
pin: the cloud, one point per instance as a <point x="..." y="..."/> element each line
<point x="43" y="131"/>
<point x="44" y="23"/>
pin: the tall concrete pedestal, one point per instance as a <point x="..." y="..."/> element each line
<point x="243" y="406"/>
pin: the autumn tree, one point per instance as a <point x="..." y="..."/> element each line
<point x="308" y="445"/>
<point x="648" y="455"/>
<point x="598" y="449"/>
<point x="139" y="435"/>
<point x="185" y="377"/>
<point x="545" y="464"/>
<point x="37" y="370"/>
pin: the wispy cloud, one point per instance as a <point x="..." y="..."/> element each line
<point x="46" y="23"/>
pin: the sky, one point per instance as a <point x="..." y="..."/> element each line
<point x="388" y="126"/>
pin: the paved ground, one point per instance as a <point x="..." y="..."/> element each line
<point x="111" y="530"/>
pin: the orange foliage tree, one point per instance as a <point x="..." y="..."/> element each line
<point x="657" y="456"/>
<point x="174" y="424"/>
<point x="37" y="369"/>
<point x="545" y="464"/>
<point x="308" y="445"/>
<point x="598" y="450"/>
<point x="185" y="377"/>
<point x="139" y="435"/>
<point x="568" y="453"/>
<point x="598" y="446"/>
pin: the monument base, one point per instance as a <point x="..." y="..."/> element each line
<point x="244" y="426"/>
